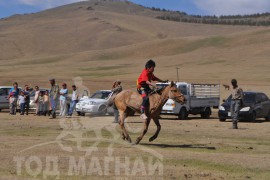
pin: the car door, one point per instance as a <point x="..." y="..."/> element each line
<point x="4" y="103"/>
<point x="258" y="105"/>
<point x="265" y="105"/>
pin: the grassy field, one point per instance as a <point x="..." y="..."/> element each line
<point x="191" y="149"/>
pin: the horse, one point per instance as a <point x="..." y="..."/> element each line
<point x="128" y="101"/>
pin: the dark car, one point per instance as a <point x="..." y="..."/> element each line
<point x="255" y="105"/>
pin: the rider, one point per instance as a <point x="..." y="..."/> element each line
<point x="144" y="83"/>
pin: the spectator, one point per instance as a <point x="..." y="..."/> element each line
<point x="36" y="99"/>
<point x="63" y="100"/>
<point x="21" y="101"/>
<point x="236" y="102"/>
<point x="40" y="104"/>
<point x="46" y="103"/>
<point x="54" y="95"/>
<point x="26" y="92"/>
<point x="14" y="93"/>
<point x="75" y="100"/>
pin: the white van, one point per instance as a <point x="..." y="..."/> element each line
<point x="4" y="92"/>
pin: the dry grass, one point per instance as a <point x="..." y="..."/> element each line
<point x="195" y="149"/>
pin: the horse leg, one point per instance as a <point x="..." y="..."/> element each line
<point x="156" y="120"/>
<point x="122" y="125"/>
<point x="146" y="125"/>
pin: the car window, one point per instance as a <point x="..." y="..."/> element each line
<point x="183" y="89"/>
<point x="101" y="95"/>
<point x="262" y="97"/>
<point x="4" y="91"/>
<point x="249" y="98"/>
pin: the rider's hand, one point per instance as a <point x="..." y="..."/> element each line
<point x="154" y="86"/>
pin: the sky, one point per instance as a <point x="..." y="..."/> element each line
<point x="195" y="7"/>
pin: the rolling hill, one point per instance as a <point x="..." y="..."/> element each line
<point x="106" y="40"/>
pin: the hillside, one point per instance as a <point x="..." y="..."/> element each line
<point x="106" y="40"/>
<point x="91" y="25"/>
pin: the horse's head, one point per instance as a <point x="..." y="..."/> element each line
<point x="175" y="94"/>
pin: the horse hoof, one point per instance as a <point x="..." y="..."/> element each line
<point x="151" y="139"/>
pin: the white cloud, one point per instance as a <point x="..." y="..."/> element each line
<point x="45" y="4"/>
<point x="233" y="7"/>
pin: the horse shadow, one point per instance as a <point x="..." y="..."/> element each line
<point x="184" y="146"/>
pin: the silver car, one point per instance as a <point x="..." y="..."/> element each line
<point x="97" y="104"/>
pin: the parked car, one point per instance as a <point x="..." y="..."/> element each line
<point x="4" y="92"/>
<point x="255" y="105"/>
<point x="200" y="98"/>
<point x="96" y="104"/>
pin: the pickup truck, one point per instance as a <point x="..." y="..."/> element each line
<point x="200" y="98"/>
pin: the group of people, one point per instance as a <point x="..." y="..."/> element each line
<point x="45" y="101"/>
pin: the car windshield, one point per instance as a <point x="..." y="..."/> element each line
<point x="248" y="98"/>
<point x="101" y="95"/>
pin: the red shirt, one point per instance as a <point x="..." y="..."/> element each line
<point x="145" y="76"/>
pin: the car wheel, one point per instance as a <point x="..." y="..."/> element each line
<point x="82" y="114"/>
<point x="183" y="114"/>
<point x="0" y="110"/>
<point x="252" y="117"/>
<point x="206" y="114"/>
<point x="102" y="110"/>
<point x="222" y="119"/>
<point x="268" y="117"/>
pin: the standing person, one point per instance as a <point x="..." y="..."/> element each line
<point x="63" y="100"/>
<point x="236" y="102"/>
<point x="46" y="103"/>
<point x="144" y="83"/>
<point x="75" y="100"/>
<point x="13" y="94"/>
<point x="26" y="92"/>
<point x="36" y="99"/>
<point x="54" y="95"/>
<point x="40" y="104"/>
<point x="21" y="101"/>
<point x="116" y="88"/>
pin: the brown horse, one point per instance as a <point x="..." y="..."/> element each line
<point x="128" y="101"/>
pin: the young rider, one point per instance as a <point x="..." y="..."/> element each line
<point x="144" y="83"/>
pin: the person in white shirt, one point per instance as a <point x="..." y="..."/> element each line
<point x="63" y="99"/>
<point x="21" y="101"/>
<point x="36" y="99"/>
<point x="75" y="100"/>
